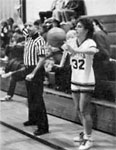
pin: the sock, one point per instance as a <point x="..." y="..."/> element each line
<point x="88" y="137"/>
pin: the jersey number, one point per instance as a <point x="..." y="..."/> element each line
<point x="78" y="64"/>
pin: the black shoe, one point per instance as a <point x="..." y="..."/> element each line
<point x="40" y="132"/>
<point x="29" y="123"/>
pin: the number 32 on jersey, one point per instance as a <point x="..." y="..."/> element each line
<point x="78" y="64"/>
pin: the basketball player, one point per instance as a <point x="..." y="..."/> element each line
<point x="82" y="50"/>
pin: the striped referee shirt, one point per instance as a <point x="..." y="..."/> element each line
<point x="34" y="48"/>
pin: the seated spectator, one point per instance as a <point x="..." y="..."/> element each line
<point x="46" y="28"/>
<point x="61" y="74"/>
<point x="10" y="22"/>
<point x="64" y="73"/>
<point x="78" y="6"/>
<point x="4" y="34"/>
<point x="103" y="68"/>
<point x="102" y="57"/>
<point x="69" y="25"/>
<point x="14" y="58"/>
<point x="73" y="20"/>
<point x="6" y="31"/>
<point x="69" y="8"/>
<point x="47" y="14"/>
<point x="55" y="23"/>
<point x="58" y="13"/>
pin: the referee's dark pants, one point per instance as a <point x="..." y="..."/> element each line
<point x="36" y="106"/>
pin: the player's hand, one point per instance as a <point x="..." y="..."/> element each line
<point x="65" y="46"/>
<point x="68" y="48"/>
<point x="52" y="49"/>
<point x="49" y="65"/>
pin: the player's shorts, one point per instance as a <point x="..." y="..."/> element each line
<point x="83" y="88"/>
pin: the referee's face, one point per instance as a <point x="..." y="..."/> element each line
<point x="31" y="29"/>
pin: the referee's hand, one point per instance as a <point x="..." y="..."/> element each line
<point x="29" y="77"/>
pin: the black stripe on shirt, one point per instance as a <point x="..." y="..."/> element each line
<point x="83" y="84"/>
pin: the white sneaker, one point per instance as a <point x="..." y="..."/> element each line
<point x="79" y="138"/>
<point x="86" y="144"/>
<point x="6" y="98"/>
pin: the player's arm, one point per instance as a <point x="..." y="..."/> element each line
<point x="88" y="50"/>
<point x="63" y="59"/>
<point x="91" y="50"/>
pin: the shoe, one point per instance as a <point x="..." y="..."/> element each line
<point x="29" y="123"/>
<point x="86" y="144"/>
<point x="79" y="138"/>
<point x="40" y="132"/>
<point x="6" y="98"/>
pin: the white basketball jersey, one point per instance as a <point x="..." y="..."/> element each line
<point x="82" y="78"/>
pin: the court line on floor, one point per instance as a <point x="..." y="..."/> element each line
<point x="32" y="136"/>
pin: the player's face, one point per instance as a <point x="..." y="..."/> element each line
<point x="80" y="30"/>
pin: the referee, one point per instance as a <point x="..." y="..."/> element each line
<point x="34" y="53"/>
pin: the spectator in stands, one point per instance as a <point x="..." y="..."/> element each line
<point x="4" y="34"/>
<point x="48" y="14"/>
<point x="103" y="68"/>
<point x="46" y="28"/>
<point x="65" y="10"/>
<point x="58" y="11"/>
<point x="73" y="20"/>
<point x="63" y="73"/>
<point x="55" y="23"/>
<point x="102" y="57"/>
<point x="14" y="59"/>
<point x="69" y="25"/>
<point x="68" y="8"/>
<point x="10" y="22"/>
<point x="78" y="6"/>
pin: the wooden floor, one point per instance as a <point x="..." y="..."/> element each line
<point x="12" y="140"/>
<point x="14" y="113"/>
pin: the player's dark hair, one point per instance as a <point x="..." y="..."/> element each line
<point x="87" y="23"/>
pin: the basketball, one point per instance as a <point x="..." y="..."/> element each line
<point x="56" y="37"/>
